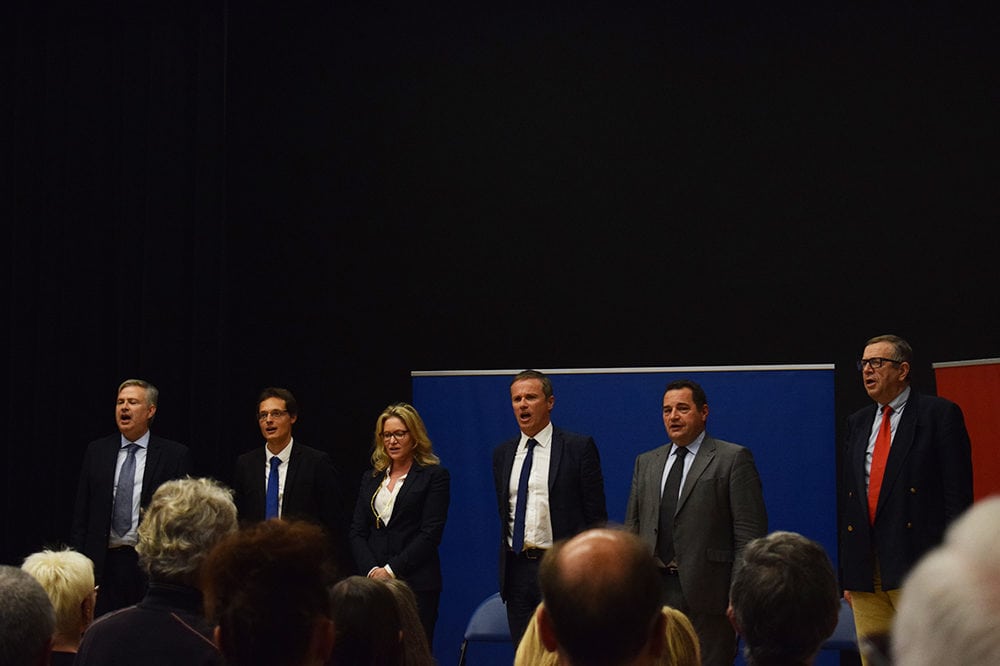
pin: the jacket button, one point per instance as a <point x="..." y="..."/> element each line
<point x="850" y="528"/>
<point x="913" y="491"/>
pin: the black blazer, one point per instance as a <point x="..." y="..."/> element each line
<point x="409" y="543"/>
<point x="313" y="492"/>
<point x="576" y="488"/>
<point x="165" y="460"/>
<point x="927" y="484"/>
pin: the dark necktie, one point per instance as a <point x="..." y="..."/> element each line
<point x="272" y="489"/>
<point x="882" y="443"/>
<point x="522" y="499"/>
<point x="121" y="515"/>
<point x="668" y="507"/>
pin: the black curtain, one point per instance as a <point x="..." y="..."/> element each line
<point x="217" y="197"/>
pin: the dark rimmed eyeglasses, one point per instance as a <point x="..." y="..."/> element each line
<point x="875" y="362"/>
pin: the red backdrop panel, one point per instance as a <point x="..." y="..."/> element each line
<point x="975" y="386"/>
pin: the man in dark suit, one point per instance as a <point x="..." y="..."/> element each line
<point x="564" y="493"/>
<point x="698" y="530"/>
<point x="926" y="482"/>
<point x="153" y="460"/>
<point x="307" y="486"/>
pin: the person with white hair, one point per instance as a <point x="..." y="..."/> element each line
<point x="950" y="602"/>
<point x="68" y="579"/>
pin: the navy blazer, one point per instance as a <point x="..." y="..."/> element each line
<point x="165" y="460"/>
<point x="313" y="492"/>
<point x="409" y="542"/>
<point x="927" y="484"/>
<point x="576" y="488"/>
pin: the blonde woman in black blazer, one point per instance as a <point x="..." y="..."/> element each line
<point x="401" y="510"/>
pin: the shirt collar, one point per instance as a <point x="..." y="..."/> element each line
<point x="143" y="441"/>
<point x="543" y="437"/>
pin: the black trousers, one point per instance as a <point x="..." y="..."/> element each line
<point x="522" y="594"/>
<point x="123" y="583"/>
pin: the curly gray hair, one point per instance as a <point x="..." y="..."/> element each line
<point x="183" y="521"/>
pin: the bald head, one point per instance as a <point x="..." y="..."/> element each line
<point x="601" y="598"/>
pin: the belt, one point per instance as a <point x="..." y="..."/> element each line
<point x="530" y="553"/>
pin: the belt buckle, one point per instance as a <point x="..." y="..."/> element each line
<point x="533" y="553"/>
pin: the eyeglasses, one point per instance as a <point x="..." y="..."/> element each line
<point x="875" y="362"/>
<point x="274" y="414"/>
<point x="398" y="434"/>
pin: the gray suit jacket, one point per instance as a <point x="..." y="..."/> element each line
<point x="721" y="508"/>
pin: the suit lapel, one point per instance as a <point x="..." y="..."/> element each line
<point x="902" y="442"/>
<point x="152" y="471"/>
<point x="704" y="457"/>
<point x="508" y="467"/>
<point x="558" y="446"/>
<point x="860" y="451"/>
<point x="294" y="463"/>
<point x="411" y="478"/>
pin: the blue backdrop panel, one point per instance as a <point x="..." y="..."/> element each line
<point x="784" y="414"/>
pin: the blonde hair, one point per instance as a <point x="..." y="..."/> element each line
<point x="682" y="646"/>
<point x="531" y="651"/>
<point x="423" y="452"/>
<point x="68" y="579"/>
<point x="183" y="521"/>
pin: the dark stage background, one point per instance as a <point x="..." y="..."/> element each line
<point x="326" y="196"/>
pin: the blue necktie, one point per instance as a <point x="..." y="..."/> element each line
<point x="272" y="489"/>
<point x="121" y="515"/>
<point x="522" y="499"/>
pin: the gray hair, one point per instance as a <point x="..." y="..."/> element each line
<point x="26" y="618"/>
<point x="152" y="393"/>
<point x="182" y="523"/>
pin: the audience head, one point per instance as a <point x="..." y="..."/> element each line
<point x="27" y="620"/>
<point x="683" y="648"/>
<point x="68" y="578"/>
<point x="950" y="601"/>
<point x="266" y="590"/>
<point x="601" y="600"/>
<point x="416" y="651"/>
<point x="369" y="630"/>
<point x="784" y="599"/>
<point x="531" y="651"/>
<point x="184" y="520"/>
<point x="681" y="640"/>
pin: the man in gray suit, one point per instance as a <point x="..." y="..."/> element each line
<point x="697" y="515"/>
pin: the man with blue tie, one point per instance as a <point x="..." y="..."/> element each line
<point x="287" y="479"/>
<point x="118" y="477"/>
<point x="549" y="486"/>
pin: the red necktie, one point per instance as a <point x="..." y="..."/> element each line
<point x="882" y="443"/>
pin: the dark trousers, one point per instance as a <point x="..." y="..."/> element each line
<point x="427" y="609"/>
<point x="123" y="583"/>
<point x="522" y="594"/>
<point x="715" y="633"/>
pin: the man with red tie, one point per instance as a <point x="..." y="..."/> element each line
<point x="907" y="474"/>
